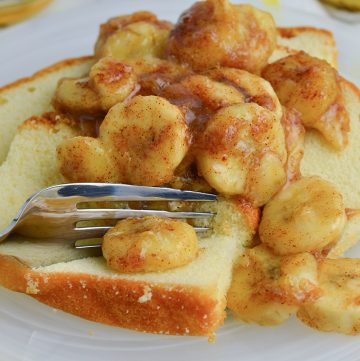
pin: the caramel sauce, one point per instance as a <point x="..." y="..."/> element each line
<point x="89" y="125"/>
<point x="351" y="212"/>
<point x="336" y="123"/>
<point x="294" y="141"/>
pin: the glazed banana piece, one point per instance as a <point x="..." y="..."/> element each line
<point x="141" y="141"/>
<point x="113" y="81"/>
<point x="132" y="36"/>
<point x="76" y="96"/>
<point x="85" y="159"/>
<point x="338" y="308"/>
<point x="242" y="152"/>
<point x="109" y="82"/>
<point x="149" y="244"/>
<point x="254" y="88"/>
<point x="306" y="216"/>
<point x="148" y="138"/>
<point x="311" y="86"/>
<point x="217" y="33"/>
<point x="267" y="289"/>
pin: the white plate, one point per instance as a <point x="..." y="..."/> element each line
<point x="31" y="331"/>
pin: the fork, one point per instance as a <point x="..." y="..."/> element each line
<point x="54" y="212"/>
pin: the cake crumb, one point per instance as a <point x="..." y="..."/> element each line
<point x="32" y="287"/>
<point x="146" y="296"/>
<point x="45" y="278"/>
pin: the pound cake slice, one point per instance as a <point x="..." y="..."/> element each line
<point x="189" y="300"/>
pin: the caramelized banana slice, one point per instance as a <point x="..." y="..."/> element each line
<point x="149" y="244"/>
<point x="76" y="96"/>
<point x="112" y="81"/>
<point x="109" y="82"/>
<point x="267" y="289"/>
<point x="147" y="137"/>
<point x="304" y="217"/>
<point x="84" y="159"/>
<point x="216" y="33"/>
<point x="242" y="152"/>
<point x="338" y="309"/>
<point x="311" y="86"/>
<point x="254" y="89"/>
<point x="132" y="36"/>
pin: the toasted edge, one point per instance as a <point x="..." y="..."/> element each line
<point x="141" y="306"/>
<point x="290" y="32"/>
<point x="47" y="70"/>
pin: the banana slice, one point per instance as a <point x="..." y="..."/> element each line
<point x="76" y="96"/>
<point x="306" y="216"/>
<point x="132" y="36"/>
<point x="338" y="309"/>
<point x="217" y="33"/>
<point x="112" y="81"/>
<point x="311" y="86"/>
<point x="254" y="89"/>
<point x="84" y="159"/>
<point x="242" y="152"/>
<point x="267" y="289"/>
<point x="149" y="244"/>
<point x="148" y="138"/>
<point x="109" y="82"/>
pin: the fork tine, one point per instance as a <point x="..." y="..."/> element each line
<point x="125" y="192"/>
<point x="90" y="233"/>
<point x="84" y="214"/>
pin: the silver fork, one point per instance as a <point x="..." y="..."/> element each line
<point x="54" y="212"/>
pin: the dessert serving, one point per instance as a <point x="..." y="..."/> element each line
<point x="222" y="102"/>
